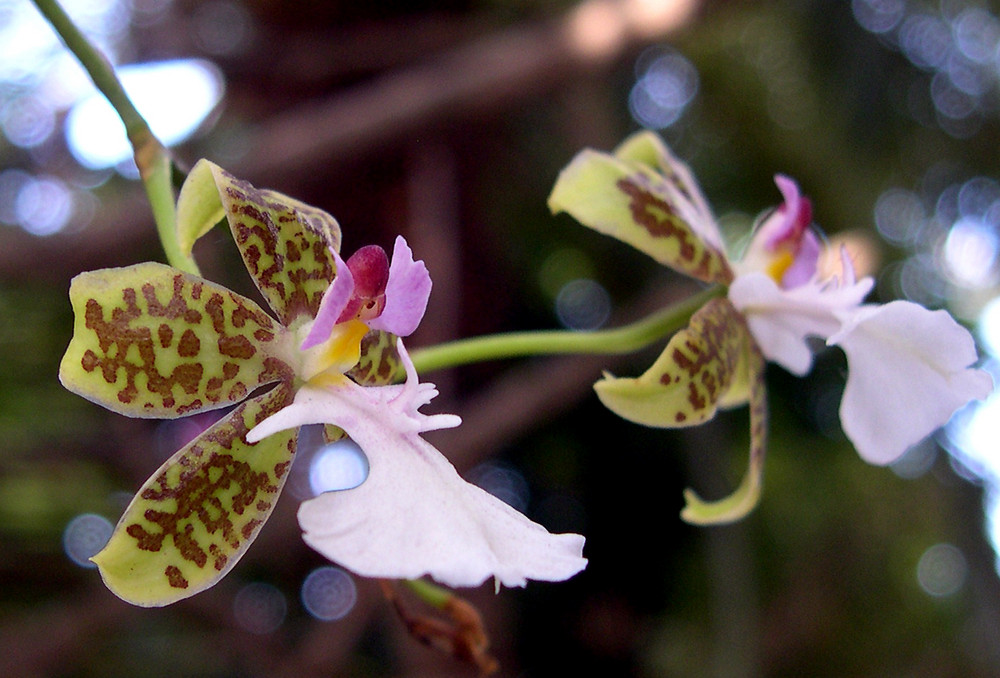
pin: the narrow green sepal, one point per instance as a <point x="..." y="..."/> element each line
<point x="745" y="498"/>
<point x="284" y="242"/>
<point x="703" y="368"/>
<point x="731" y="509"/>
<point x="657" y="210"/>
<point x="199" y="208"/>
<point x="194" y="518"/>
<point x="151" y="341"/>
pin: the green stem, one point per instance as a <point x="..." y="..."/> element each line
<point x="432" y="594"/>
<point x="515" y="344"/>
<point x="151" y="157"/>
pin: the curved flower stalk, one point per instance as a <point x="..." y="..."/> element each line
<point x="908" y="366"/>
<point x="153" y="341"/>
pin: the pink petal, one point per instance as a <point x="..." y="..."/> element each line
<point x="334" y="302"/>
<point x="406" y="293"/>
<point x="803" y="268"/>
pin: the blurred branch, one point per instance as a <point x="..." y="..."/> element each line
<point x="489" y="74"/>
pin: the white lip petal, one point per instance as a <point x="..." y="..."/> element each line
<point x="414" y="515"/>
<point x="908" y="373"/>
<point x="781" y="319"/>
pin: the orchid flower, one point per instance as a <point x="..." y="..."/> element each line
<point x="152" y="341"/>
<point x="908" y="367"/>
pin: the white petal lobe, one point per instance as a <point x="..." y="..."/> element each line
<point x="415" y="515"/>
<point x="908" y="373"/>
<point x="781" y="319"/>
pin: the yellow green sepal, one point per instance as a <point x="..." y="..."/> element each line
<point x="744" y="499"/>
<point x="284" y="242"/>
<point x="152" y="341"/>
<point x="623" y="197"/>
<point x="703" y="367"/>
<point x="195" y="517"/>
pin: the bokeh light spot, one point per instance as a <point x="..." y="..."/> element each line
<point x="260" y="608"/>
<point x="970" y="252"/>
<point x="667" y="82"/>
<point x="977" y="33"/>
<point x="941" y="570"/>
<point x="329" y="593"/>
<point x="898" y="215"/>
<point x="989" y="327"/>
<point x="878" y="16"/>
<point x="27" y="121"/>
<point x="926" y="40"/>
<point x="503" y="482"/>
<point x="583" y="305"/>
<point x="223" y="27"/>
<point x="84" y="536"/>
<point x="175" y="97"/>
<point x="43" y="205"/>
<point x="341" y="465"/>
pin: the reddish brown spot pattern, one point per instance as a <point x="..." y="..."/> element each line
<point x="166" y="334"/>
<point x="236" y="346"/>
<point x="711" y="361"/>
<point x="661" y="220"/>
<point x="175" y="577"/>
<point x="189" y="346"/>
<point x="249" y="528"/>
<point x="207" y="472"/>
<point x="129" y="344"/>
<point x="220" y="558"/>
<point x="276" y="255"/>
<point x="119" y="331"/>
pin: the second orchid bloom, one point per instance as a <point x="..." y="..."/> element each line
<point x="909" y="367"/>
<point x="152" y="341"/>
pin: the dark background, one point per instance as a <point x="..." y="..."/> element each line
<point x="448" y="122"/>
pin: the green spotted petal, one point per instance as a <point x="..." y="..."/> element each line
<point x="662" y="215"/>
<point x="744" y="499"/>
<point x="703" y="367"/>
<point x="151" y="341"/>
<point x="195" y="517"/>
<point x="380" y="363"/>
<point x="284" y="242"/>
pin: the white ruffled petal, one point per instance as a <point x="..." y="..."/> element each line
<point x="781" y="319"/>
<point x="414" y="515"/>
<point x="908" y="373"/>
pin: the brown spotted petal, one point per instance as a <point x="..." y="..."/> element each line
<point x="195" y="517"/>
<point x="380" y="364"/>
<point x="673" y="180"/>
<point x="284" y="242"/>
<point x="703" y="367"/>
<point x="652" y="212"/>
<point x="713" y="363"/>
<point x="151" y="341"/>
